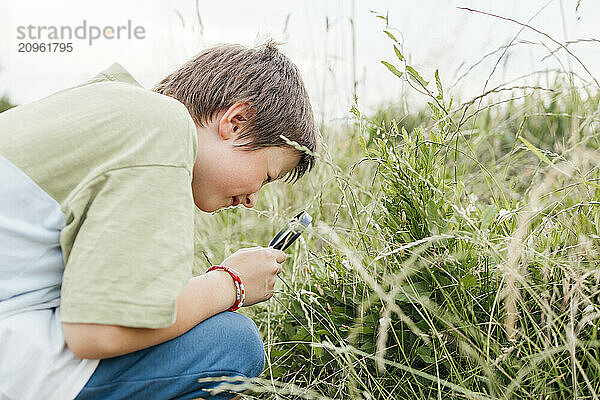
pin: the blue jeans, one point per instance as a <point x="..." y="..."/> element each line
<point x="227" y="344"/>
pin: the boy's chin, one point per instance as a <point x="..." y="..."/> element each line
<point x="208" y="208"/>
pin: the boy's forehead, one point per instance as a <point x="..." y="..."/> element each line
<point x="282" y="159"/>
<point x="289" y="158"/>
<point x="279" y="159"/>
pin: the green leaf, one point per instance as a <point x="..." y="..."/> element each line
<point x="535" y="150"/>
<point x="398" y="54"/>
<point x="393" y="69"/>
<point x="391" y="36"/>
<point x="424" y="353"/>
<point x="405" y="135"/>
<point x="422" y="325"/>
<point x="413" y="290"/>
<point x="276" y="353"/>
<point x="318" y="351"/>
<point x="468" y="281"/>
<point x="488" y="216"/>
<point x="438" y="82"/>
<point x="277" y="371"/>
<point x="301" y="335"/>
<point x="415" y="75"/>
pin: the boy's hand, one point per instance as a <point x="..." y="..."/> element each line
<point x="258" y="268"/>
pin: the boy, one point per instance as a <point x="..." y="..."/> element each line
<point x="97" y="190"/>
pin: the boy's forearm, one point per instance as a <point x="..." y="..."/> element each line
<point x="202" y="297"/>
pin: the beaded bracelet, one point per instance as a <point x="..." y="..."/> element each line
<point x="240" y="291"/>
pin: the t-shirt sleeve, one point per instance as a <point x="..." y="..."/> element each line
<point x="128" y="247"/>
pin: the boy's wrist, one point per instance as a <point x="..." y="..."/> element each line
<point x="226" y="286"/>
<point x="240" y="291"/>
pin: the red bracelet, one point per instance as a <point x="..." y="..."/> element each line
<point x="240" y="291"/>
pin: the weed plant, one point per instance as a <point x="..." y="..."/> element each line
<point x="453" y="253"/>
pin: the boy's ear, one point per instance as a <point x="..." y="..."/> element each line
<point x="233" y="120"/>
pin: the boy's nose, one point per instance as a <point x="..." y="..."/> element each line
<point x="250" y="200"/>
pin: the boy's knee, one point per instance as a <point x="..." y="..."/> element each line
<point x="239" y="340"/>
<point x="246" y="341"/>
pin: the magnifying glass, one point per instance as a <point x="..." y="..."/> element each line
<point x="289" y="234"/>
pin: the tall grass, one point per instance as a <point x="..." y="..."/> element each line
<point x="454" y="253"/>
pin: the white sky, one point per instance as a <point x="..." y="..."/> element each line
<point x="435" y="34"/>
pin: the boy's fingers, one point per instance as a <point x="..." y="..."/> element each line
<point x="280" y="256"/>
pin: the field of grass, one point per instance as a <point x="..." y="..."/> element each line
<point x="453" y="252"/>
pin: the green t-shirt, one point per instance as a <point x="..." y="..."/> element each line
<point x="118" y="159"/>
